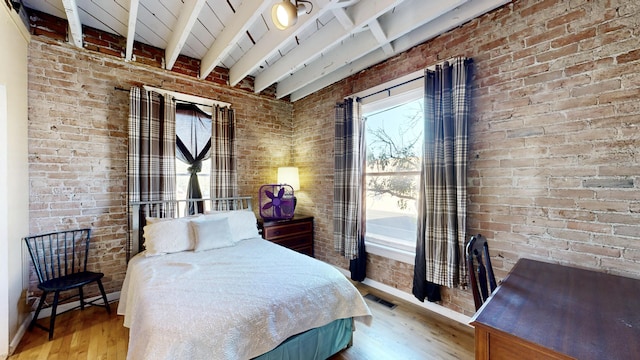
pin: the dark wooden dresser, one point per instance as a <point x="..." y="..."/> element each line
<point x="295" y="234"/>
<point x="550" y="311"/>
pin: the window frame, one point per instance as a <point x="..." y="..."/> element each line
<point x="208" y="109"/>
<point x="402" y="90"/>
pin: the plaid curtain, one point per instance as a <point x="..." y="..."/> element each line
<point x="224" y="178"/>
<point x="443" y="181"/>
<point x="348" y="193"/>
<point x="151" y="159"/>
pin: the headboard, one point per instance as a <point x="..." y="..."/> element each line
<point x="140" y="210"/>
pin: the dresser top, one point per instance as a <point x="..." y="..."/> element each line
<point x="581" y="313"/>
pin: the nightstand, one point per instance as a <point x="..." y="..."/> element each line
<point x="295" y="234"/>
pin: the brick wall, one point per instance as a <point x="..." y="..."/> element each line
<point x="554" y="137"/>
<point x="78" y="141"/>
<point x="553" y="170"/>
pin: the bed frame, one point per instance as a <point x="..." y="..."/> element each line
<point x="138" y="211"/>
<point x="329" y="339"/>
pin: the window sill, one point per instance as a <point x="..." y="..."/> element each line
<point x="390" y="252"/>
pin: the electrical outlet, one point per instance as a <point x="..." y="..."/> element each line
<point x="29" y="297"/>
<point x="26" y="296"/>
<point x="35" y="304"/>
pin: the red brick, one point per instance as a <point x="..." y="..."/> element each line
<point x="545" y="36"/>
<point x="573" y="38"/>
<point x="633" y="55"/>
<point x="566" y="18"/>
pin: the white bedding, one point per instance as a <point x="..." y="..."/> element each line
<point x="230" y="303"/>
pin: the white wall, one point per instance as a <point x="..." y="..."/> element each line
<point x="14" y="173"/>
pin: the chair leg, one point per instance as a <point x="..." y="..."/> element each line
<point x="52" y="322"/>
<point x="35" y="316"/>
<point x="81" y="295"/>
<point x="104" y="297"/>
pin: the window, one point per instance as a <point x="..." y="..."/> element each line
<point x="193" y="144"/>
<point x="182" y="179"/>
<point x="393" y="136"/>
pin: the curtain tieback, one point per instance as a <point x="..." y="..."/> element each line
<point x="195" y="168"/>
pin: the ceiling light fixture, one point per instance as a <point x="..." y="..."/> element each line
<point x="285" y="14"/>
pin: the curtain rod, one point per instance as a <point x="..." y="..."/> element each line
<point x="187" y="98"/>
<point x="432" y="67"/>
<point x="190" y="103"/>
<point x="389" y="88"/>
<point x="214" y="102"/>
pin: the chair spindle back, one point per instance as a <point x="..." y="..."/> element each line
<point x="60" y="253"/>
<point x="481" y="277"/>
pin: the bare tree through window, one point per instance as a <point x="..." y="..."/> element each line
<point x="394" y="147"/>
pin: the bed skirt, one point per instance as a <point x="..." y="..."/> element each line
<point x="317" y="344"/>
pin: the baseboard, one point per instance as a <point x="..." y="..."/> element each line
<point x="13" y="345"/>
<point x="438" y="309"/>
<point x="46" y="312"/>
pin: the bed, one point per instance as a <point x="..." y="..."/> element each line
<point x="232" y="295"/>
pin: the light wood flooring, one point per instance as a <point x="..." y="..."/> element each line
<point x="406" y="332"/>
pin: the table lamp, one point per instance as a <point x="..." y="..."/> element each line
<point x="289" y="175"/>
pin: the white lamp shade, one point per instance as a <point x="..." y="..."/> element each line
<point x="284" y="14"/>
<point x="289" y="175"/>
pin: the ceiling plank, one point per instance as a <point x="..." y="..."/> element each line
<point x="55" y="8"/>
<point x="401" y="21"/>
<point x="188" y="16"/>
<point x="103" y="15"/>
<point x="73" y="18"/>
<point x="333" y="33"/>
<point x="457" y="17"/>
<point x="343" y="18"/>
<point x="379" y="34"/>
<point x="349" y="50"/>
<point x="131" y="28"/>
<point x="273" y="41"/>
<point x="248" y="12"/>
<point x="349" y="69"/>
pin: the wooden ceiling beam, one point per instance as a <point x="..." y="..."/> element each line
<point x="73" y="18"/>
<point x="131" y="28"/>
<point x="395" y="24"/>
<point x="248" y="12"/>
<point x="350" y="21"/>
<point x="188" y="16"/>
<point x="450" y="20"/>
<point x="343" y="18"/>
<point x="273" y="41"/>
<point x="378" y="33"/>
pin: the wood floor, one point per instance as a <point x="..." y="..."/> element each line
<point x="406" y="332"/>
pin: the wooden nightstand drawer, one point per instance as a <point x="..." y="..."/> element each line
<point x="277" y="231"/>
<point x="294" y="242"/>
<point x="295" y="234"/>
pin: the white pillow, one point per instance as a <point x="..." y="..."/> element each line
<point x="164" y="236"/>
<point x="211" y="233"/>
<point x="192" y="237"/>
<point x="243" y="223"/>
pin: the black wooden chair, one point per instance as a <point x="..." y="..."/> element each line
<point x="481" y="277"/>
<point x="60" y="261"/>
